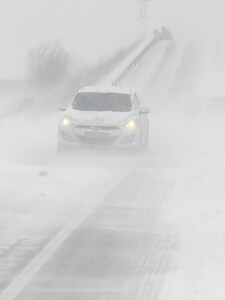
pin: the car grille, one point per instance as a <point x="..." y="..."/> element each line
<point x="97" y="127"/>
<point x="97" y="141"/>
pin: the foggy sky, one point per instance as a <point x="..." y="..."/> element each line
<point x="92" y="28"/>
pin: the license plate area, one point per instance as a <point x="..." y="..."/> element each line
<point x="97" y="134"/>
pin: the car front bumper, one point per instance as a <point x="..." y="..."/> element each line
<point x="99" y="136"/>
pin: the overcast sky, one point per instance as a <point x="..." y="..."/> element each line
<point x="91" y="28"/>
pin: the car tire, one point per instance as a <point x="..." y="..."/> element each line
<point x="61" y="148"/>
<point x="144" y="142"/>
<point x="138" y="148"/>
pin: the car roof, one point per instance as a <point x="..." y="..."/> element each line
<point x="106" y="89"/>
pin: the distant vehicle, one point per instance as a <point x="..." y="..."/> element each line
<point x="104" y="116"/>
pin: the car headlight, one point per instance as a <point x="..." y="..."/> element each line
<point x="65" y="122"/>
<point x="130" y="125"/>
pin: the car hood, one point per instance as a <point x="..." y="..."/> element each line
<point x="98" y="117"/>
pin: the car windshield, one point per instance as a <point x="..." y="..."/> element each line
<point x="102" y="102"/>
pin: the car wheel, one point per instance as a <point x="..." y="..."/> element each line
<point x="61" y="148"/>
<point x="139" y="145"/>
<point x="144" y="142"/>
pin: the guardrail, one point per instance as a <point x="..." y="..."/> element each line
<point x="158" y="36"/>
<point x="16" y="105"/>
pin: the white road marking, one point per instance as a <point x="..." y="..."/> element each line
<point x="17" y="286"/>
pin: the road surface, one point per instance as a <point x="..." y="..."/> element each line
<point x="117" y="226"/>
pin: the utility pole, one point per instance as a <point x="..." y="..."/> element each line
<point x="143" y="16"/>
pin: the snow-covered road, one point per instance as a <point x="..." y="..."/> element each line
<point x="117" y="226"/>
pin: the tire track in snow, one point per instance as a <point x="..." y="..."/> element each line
<point x="15" y="288"/>
<point x="22" y="240"/>
<point x="156" y="82"/>
<point x="184" y="82"/>
<point x="127" y="239"/>
<point x="158" y="261"/>
<point x="155" y="60"/>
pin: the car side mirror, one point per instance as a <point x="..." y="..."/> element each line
<point x="144" y="110"/>
<point x="62" y="107"/>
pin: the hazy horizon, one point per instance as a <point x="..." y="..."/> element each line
<point x="91" y="29"/>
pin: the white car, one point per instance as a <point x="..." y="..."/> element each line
<point x="104" y="116"/>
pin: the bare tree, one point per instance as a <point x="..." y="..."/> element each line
<point x="47" y="64"/>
